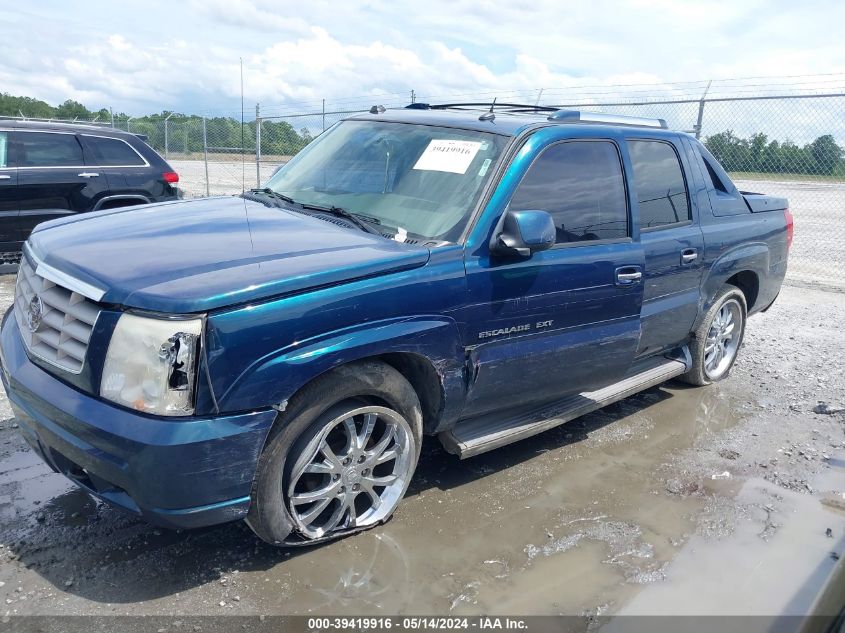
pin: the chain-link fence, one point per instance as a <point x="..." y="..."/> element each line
<point x="794" y="150"/>
<point x="790" y="146"/>
<point x="218" y="155"/>
<point x="213" y="155"/>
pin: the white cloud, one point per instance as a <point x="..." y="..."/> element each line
<point x="118" y="42"/>
<point x="295" y="52"/>
<point x="250" y="15"/>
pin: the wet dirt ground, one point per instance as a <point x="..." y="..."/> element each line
<point x="677" y="500"/>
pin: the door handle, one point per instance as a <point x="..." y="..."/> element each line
<point x="689" y="255"/>
<point x="88" y="174"/>
<point x="628" y="276"/>
<point x="5" y="177"/>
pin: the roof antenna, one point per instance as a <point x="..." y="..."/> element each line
<point x="489" y="116"/>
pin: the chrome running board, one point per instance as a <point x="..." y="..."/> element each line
<point x="484" y="433"/>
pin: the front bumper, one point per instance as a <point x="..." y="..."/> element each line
<point x="178" y="473"/>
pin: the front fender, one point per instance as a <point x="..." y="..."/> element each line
<point x="275" y="377"/>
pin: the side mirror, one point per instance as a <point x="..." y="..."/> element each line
<point x="524" y="233"/>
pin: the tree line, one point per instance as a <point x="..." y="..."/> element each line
<point x="222" y="135"/>
<point x="759" y="154"/>
<point x="184" y="131"/>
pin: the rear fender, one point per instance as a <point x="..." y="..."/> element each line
<point x="752" y="257"/>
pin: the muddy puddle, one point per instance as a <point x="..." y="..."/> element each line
<point x="574" y="519"/>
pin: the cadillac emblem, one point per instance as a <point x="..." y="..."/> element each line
<point x="34" y="313"/>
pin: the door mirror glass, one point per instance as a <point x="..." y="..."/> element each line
<point x="523" y="233"/>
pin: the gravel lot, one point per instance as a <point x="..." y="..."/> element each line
<point x="677" y="500"/>
<point x="225" y="177"/>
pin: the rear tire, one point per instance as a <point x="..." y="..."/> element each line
<point x="340" y="457"/>
<point x="716" y="342"/>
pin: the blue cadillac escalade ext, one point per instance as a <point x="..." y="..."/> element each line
<point x="478" y="274"/>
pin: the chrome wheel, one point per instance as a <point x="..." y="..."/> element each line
<point x="353" y="473"/>
<point x="723" y="339"/>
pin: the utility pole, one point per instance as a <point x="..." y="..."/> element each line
<point x="111" y="113"/>
<point x="243" y="149"/>
<point x="205" y="154"/>
<point x="166" y="140"/>
<point x="701" y="111"/>
<point x="413" y="96"/>
<point x="257" y="144"/>
<point x="324" y="115"/>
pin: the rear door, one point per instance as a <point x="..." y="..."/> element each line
<point x="672" y="240"/>
<point x="53" y="179"/>
<point x="565" y="320"/>
<point x="125" y="170"/>
<point x="9" y="237"/>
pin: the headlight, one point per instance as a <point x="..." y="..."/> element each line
<point x="151" y="364"/>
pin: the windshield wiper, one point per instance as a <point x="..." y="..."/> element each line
<point x="272" y="194"/>
<point x="365" y="223"/>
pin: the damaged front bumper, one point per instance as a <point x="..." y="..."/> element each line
<point x="177" y="473"/>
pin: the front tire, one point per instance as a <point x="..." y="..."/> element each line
<point x="716" y="342"/>
<point x="340" y="457"/>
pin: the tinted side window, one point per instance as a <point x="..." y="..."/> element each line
<point x="581" y="184"/>
<point x="718" y="178"/>
<point x="46" y="149"/>
<point x="112" y="151"/>
<point x="659" y="182"/>
<point x="4" y="149"/>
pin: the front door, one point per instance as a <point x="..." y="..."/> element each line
<point x="118" y="164"/>
<point x="565" y="320"/>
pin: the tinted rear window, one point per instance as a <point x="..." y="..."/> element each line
<point x="47" y="149"/>
<point x="718" y="178"/>
<point x="659" y="182"/>
<point x="580" y="184"/>
<point x="112" y="152"/>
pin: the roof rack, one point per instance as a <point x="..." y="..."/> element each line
<point x="556" y="113"/>
<point x="576" y="116"/>
<point x="505" y="107"/>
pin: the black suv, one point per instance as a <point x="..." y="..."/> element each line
<point x="49" y="170"/>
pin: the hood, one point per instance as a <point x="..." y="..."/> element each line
<point x="198" y="255"/>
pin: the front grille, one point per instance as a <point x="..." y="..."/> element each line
<point x="66" y="319"/>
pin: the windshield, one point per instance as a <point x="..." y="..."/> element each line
<point x="416" y="179"/>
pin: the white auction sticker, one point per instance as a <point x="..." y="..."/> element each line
<point x="445" y="155"/>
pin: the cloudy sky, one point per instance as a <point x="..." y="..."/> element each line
<point x="141" y="57"/>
